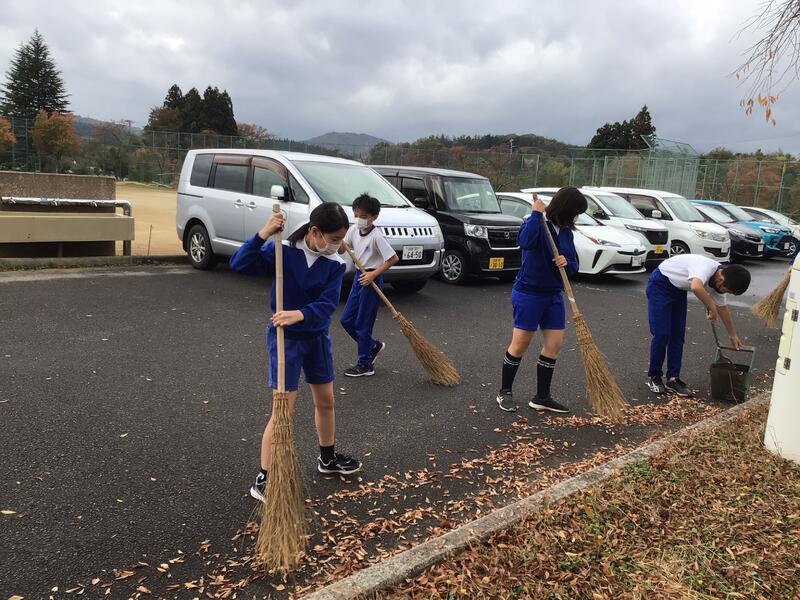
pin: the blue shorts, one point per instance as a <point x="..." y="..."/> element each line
<point x="532" y="311"/>
<point x="312" y="355"/>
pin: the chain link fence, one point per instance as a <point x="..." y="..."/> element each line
<point x="157" y="157"/>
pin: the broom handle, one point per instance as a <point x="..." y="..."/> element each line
<point x="378" y="291"/>
<point x="564" y="279"/>
<point x="276" y="208"/>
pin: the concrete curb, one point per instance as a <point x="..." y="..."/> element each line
<point x="413" y="561"/>
<point x="16" y="264"/>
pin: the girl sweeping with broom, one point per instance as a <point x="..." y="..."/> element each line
<point x="537" y="294"/>
<point x="312" y="284"/>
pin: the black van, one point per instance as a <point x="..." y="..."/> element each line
<point x="479" y="239"/>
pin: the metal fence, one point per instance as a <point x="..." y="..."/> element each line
<point x="157" y="157"/>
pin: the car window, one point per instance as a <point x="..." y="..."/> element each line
<point x="201" y="169"/>
<point x="592" y="207"/>
<point x="515" y="208"/>
<point x="736" y="212"/>
<point x="298" y="193"/>
<point x="683" y="210"/>
<point x="231" y="177"/>
<point x="413" y="188"/>
<point x="343" y="182"/>
<point x="759" y="216"/>
<point x="267" y="173"/>
<point x="393" y="179"/>
<point x="618" y="206"/>
<point x="646" y="205"/>
<point x="470" y="195"/>
<point x="716" y="215"/>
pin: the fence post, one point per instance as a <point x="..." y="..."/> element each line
<point x="735" y="181"/>
<point x="605" y="168"/>
<point x="536" y="173"/>
<point x="714" y="177"/>
<point x="758" y="181"/>
<point x="780" y="189"/>
<point x="571" y="170"/>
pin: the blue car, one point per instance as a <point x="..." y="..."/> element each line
<point x="777" y="238"/>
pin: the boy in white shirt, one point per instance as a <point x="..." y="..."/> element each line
<point x="667" y="305"/>
<point x="376" y="256"/>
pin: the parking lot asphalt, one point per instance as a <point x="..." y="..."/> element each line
<point x="132" y="404"/>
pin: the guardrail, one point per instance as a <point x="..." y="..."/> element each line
<point x="57" y="202"/>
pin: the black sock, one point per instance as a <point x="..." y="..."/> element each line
<point x="510" y="366"/>
<point x="544" y="375"/>
<point x="326" y="453"/>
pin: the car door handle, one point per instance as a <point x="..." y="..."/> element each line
<point x="238" y="203"/>
<point x="251" y="204"/>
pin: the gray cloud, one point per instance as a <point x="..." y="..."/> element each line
<point x="401" y="70"/>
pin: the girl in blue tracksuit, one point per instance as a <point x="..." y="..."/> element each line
<point x="537" y="294"/>
<point x="312" y="283"/>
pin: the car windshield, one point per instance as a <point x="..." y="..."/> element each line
<point x="343" y="183"/>
<point x="682" y="209"/>
<point x="618" y="206"/>
<point x="470" y="195"/>
<point x="737" y="213"/>
<point x="716" y="214"/>
<point x="761" y="217"/>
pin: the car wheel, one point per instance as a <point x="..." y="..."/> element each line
<point x="792" y="247"/>
<point x="454" y="267"/>
<point x="198" y="246"/>
<point x="409" y="286"/>
<point x="677" y="248"/>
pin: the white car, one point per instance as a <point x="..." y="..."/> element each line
<point x="688" y="230"/>
<point x="600" y="248"/>
<point x="225" y="196"/>
<point x="617" y="212"/>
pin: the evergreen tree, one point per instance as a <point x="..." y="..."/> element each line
<point x="642" y="124"/>
<point x="626" y="135"/>
<point x="218" y="112"/>
<point x="33" y="83"/>
<point x="174" y="97"/>
<point x="191" y="113"/>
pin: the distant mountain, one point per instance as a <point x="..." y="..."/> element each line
<point x="350" y="144"/>
<point x="84" y="126"/>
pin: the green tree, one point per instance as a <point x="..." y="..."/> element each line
<point x="218" y="112"/>
<point x="191" y="114"/>
<point x="553" y="173"/>
<point x="174" y="97"/>
<point x="7" y="137"/>
<point x="626" y="135"/>
<point x="33" y="83"/>
<point x="54" y="135"/>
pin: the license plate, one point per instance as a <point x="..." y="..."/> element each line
<point x="659" y="249"/>
<point x="785" y="245"/>
<point x="761" y="247"/>
<point x="497" y="263"/>
<point x="412" y="252"/>
<point x="637" y="261"/>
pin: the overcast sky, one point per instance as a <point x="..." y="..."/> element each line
<point x="405" y="69"/>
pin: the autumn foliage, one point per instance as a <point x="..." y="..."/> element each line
<point x="55" y="135"/>
<point x="7" y="137"/>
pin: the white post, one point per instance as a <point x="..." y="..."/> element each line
<point x="783" y="422"/>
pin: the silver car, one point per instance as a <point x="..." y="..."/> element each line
<point x="225" y="196"/>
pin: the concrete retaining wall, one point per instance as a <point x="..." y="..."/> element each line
<point x="53" y="185"/>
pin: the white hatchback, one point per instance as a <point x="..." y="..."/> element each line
<point x="600" y="248"/>
<point x="688" y="230"/>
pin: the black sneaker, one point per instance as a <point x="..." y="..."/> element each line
<point x="676" y="386"/>
<point x="340" y="465"/>
<point x="547" y="404"/>
<point x="505" y="401"/>
<point x="656" y="385"/>
<point x="379" y="347"/>
<point x="360" y="371"/>
<point x="259" y="487"/>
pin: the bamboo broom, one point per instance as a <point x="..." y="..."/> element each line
<point x="438" y="366"/>
<point x="604" y="394"/>
<point x="281" y="536"/>
<point x="769" y="307"/>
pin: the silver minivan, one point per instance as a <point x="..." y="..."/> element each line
<point x="225" y="196"/>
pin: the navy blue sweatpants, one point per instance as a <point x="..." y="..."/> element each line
<point x="358" y="317"/>
<point x="666" y="313"/>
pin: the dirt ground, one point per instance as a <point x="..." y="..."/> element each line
<point x="154" y="207"/>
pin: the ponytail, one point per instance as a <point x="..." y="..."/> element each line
<point x="328" y="217"/>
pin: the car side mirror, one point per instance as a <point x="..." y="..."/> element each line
<point x="277" y="192"/>
<point x="656" y="214"/>
<point x="600" y="214"/>
<point x="421" y="202"/>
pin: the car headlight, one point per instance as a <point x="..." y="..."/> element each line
<point x="701" y="233"/>
<point x="720" y="237"/>
<point x="478" y="231"/>
<point x="437" y="233"/>
<point x="600" y="242"/>
<point x="770" y="230"/>
<point x="735" y="233"/>
<point x="637" y="228"/>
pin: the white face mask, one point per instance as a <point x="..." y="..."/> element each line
<point x="329" y="249"/>
<point x="362" y="223"/>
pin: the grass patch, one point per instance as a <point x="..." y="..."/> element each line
<point x="714" y="516"/>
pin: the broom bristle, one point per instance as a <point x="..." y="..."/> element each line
<point x="604" y="394"/>
<point x="769" y="307"/>
<point x="438" y="366"/>
<point x="281" y="536"/>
